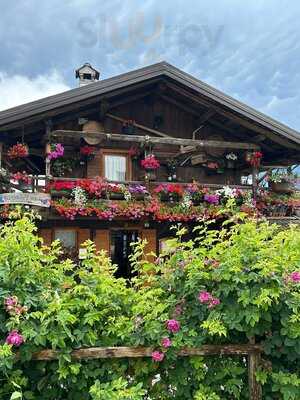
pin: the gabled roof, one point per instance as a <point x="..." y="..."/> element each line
<point x="162" y="69"/>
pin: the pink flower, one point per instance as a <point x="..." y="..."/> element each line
<point x="157" y="356"/>
<point x="214" y="302"/>
<point x="173" y="325"/>
<point x="166" y="342"/>
<point x="295" y="276"/>
<point x="11" y="301"/>
<point x="204" y="297"/>
<point x="14" y="338"/>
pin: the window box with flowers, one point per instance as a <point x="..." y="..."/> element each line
<point x="61" y="188"/>
<point x="138" y="192"/>
<point x="169" y="192"/>
<point x="195" y="194"/>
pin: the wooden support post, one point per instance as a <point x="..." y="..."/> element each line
<point x="1" y="151"/>
<point x="255" y="391"/>
<point x="48" y="124"/>
<point x="254" y="182"/>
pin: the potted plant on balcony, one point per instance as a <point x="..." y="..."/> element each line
<point x="170" y="192"/>
<point x="150" y="164"/>
<point x="282" y="180"/>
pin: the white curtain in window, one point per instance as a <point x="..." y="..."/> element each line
<point x="115" y="168"/>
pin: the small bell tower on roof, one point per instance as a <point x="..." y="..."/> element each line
<point x="87" y="74"/>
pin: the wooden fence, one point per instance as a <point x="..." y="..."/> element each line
<point x="252" y="351"/>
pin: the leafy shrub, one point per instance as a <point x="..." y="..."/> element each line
<point x="224" y="286"/>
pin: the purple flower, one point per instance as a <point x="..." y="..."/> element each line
<point x="157" y="356"/>
<point x="166" y="342"/>
<point x="173" y="325"/>
<point x="14" y="338"/>
<point x="137" y="189"/>
<point x="58" y="152"/>
<point x="295" y="276"/>
<point x="212" y="198"/>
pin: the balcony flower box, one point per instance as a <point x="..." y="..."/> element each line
<point x="138" y="192"/>
<point x="171" y="193"/>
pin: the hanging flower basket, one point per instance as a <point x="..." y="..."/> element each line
<point x="150" y="163"/>
<point x="18" y="150"/>
<point x="231" y="159"/>
<point x="87" y="153"/>
<point x="282" y="187"/>
<point x="254" y="158"/>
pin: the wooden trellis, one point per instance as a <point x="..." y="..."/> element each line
<point x="252" y="351"/>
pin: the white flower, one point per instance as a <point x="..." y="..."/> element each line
<point x="79" y="195"/>
<point x="186" y="201"/>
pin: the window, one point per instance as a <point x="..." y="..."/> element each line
<point x="115" y="167"/>
<point x="67" y="237"/>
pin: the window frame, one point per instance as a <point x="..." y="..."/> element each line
<point x="117" y="152"/>
<point x="75" y="230"/>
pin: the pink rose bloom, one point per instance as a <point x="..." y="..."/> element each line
<point x="173" y="325"/>
<point x="166" y="342"/>
<point x="157" y="356"/>
<point x="14" y="338"/>
<point x="11" y="301"/>
<point x="295" y="276"/>
<point x="204" y="297"/>
<point x="214" y="302"/>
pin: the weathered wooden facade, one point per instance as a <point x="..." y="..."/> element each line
<point x="189" y="126"/>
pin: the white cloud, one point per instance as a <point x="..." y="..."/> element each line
<point x="18" y="89"/>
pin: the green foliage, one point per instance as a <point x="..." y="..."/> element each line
<point x="243" y="272"/>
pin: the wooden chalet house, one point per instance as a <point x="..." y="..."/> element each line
<point x="128" y="156"/>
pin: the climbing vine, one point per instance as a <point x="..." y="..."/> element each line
<point x="227" y="286"/>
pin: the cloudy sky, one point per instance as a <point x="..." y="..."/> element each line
<point x="249" y="49"/>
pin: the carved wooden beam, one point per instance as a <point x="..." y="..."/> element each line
<point x="172" y="141"/>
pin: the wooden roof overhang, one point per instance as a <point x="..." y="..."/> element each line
<point x="235" y="120"/>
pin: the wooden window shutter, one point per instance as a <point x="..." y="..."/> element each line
<point x="46" y="235"/>
<point x="102" y="240"/>
<point x="82" y="236"/>
<point x="151" y="246"/>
